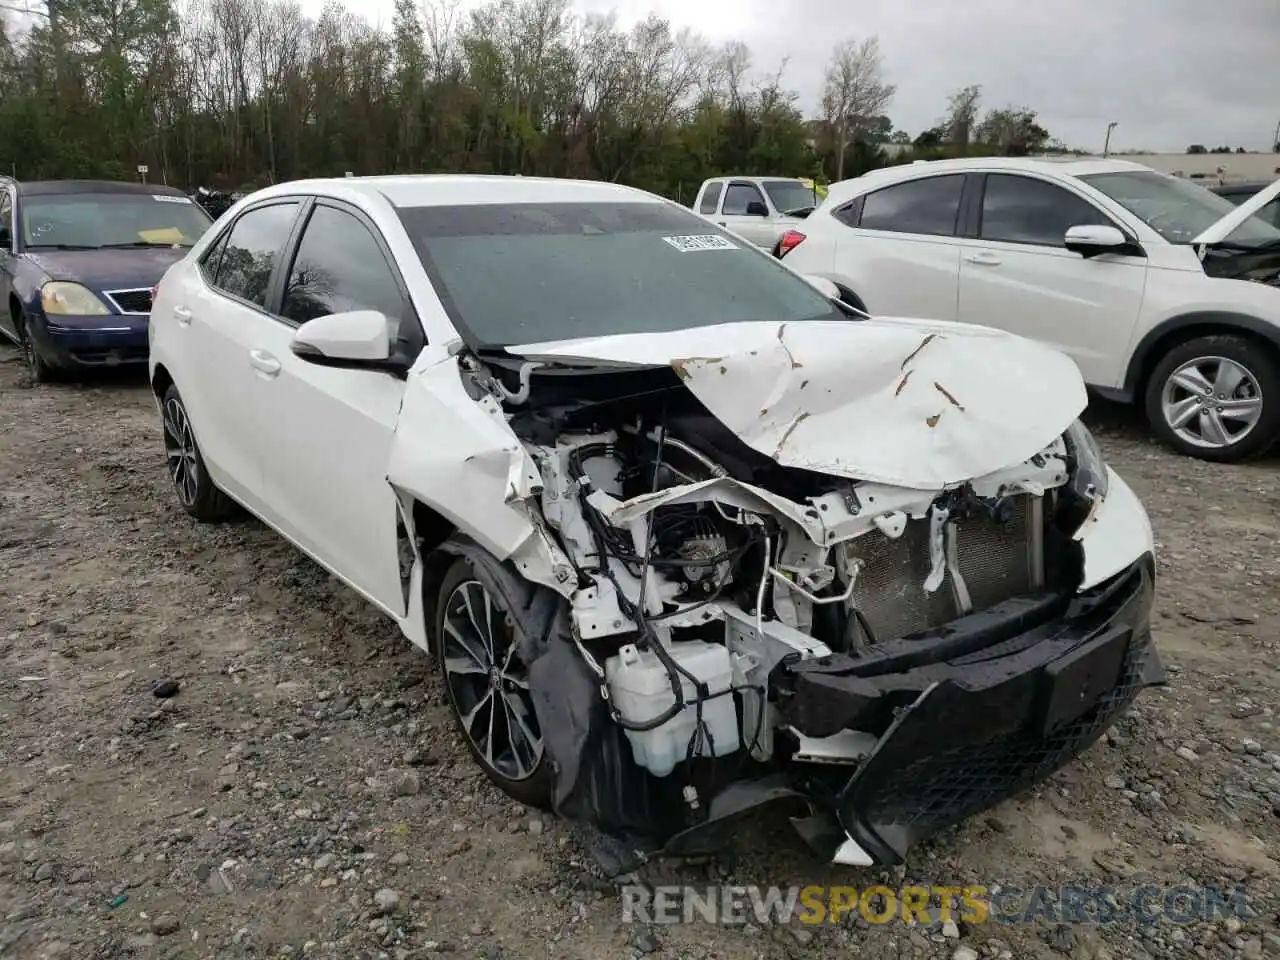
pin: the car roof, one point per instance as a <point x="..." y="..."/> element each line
<point x="447" y="189"/>
<point x="1068" y="165"/>
<point x="38" y="188"/>
<point x="753" y="179"/>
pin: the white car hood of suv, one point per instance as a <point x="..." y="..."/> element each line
<point x="1221" y="229"/>
<point x="917" y="404"/>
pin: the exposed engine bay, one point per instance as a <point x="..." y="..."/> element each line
<point x="734" y="631"/>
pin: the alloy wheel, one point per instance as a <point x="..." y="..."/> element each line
<point x="488" y="682"/>
<point x="1212" y="402"/>
<point x="180" y="451"/>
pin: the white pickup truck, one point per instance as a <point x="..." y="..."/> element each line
<point x="759" y="209"/>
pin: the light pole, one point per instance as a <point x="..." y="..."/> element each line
<point x="1106" y="147"/>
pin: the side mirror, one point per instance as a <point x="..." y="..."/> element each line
<point x="1089" y="241"/>
<point x="358" y="339"/>
<point x="756" y="208"/>
<point x="823" y="286"/>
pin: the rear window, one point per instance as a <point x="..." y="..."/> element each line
<point x="526" y="273"/>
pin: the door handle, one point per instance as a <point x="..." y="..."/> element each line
<point x="720" y="223"/>
<point x="182" y="315"/>
<point x="264" y="362"/>
<point x="984" y="257"/>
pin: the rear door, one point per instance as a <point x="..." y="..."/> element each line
<point x="1017" y="274"/>
<point x="327" y="431"/>
<point x="218" y="314"/>
<point x="897" y="250"/>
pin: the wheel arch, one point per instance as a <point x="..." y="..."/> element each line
<point x="431" y="530"/>
<point x="851" y="298"/>
<point x="1188" y="326"/>
<point x="161" y="381"/>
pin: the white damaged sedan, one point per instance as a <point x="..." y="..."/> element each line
<point x="686" y="536"/>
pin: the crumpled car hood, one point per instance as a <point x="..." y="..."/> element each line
<point x="918" y="404"/>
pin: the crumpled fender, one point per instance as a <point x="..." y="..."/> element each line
<point x="475" y="473"/>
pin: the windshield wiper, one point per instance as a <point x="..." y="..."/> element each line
<point x="137" y="243"/>
<point x="1262" y="246"/>
<point x="61" y="246"/>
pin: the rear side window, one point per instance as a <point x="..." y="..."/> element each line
<point x="737" y="197"/>
<point x="1025" y="210"/>
<point x="929" y="207"/>
<point x="209" y="262"/>
<point x="252" y="250"/>
<point x="710" y="197"/>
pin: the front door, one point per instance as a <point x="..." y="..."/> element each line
<point x="329" y="430"/>
<point x="745" y="212"/>
<point x="1018" y="275"/>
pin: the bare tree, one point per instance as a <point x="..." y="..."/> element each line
<point x="962" y="115"/>
<point x="854" y="92"/>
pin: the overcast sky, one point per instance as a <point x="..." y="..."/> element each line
<point x="1170" y="72"/>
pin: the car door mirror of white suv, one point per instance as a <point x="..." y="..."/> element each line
<point x="358" y="338"/>
<point x="1089" y="241"/>
<point x="756" y="208"/>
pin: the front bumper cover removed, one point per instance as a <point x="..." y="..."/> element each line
<point x="972" y="715"/>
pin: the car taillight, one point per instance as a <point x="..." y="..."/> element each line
<point x="790" y="240"/>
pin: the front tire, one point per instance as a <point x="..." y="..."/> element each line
<point x="486" y="682"/>
<point x="41" y="370"/>
<point x="1216" y="398"/>
<point x="196" y="491"/>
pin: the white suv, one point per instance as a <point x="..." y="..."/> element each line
<point x="1162" y="292"/>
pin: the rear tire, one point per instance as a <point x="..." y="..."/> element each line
<point x="1216" y="398"/>
<point x="196" y="492"/>
<point x="487" y="686"/>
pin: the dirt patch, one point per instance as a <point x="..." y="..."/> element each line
<point x="304" y="793"/>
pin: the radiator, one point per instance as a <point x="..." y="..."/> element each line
<point x="996" y="560"/>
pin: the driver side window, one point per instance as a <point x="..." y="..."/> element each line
<point x="1019" y="209"/>
<point x="340" y="267"/>
<point x="737" y="197"/>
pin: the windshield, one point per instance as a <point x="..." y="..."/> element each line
<point x="527" y="273"/>
<point x="1179" y="210"/>
<point x="93" y="220"/>
<point x="788" y="195"/>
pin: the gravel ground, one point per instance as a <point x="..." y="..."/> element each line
<point x="303" y="792"/>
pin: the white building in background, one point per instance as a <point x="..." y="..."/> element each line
<point x="1211" y="166"/>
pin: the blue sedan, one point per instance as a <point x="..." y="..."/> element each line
<point x="78" y="261"/>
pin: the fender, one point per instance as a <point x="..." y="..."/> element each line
<point x="27" y="281"/>
<point x="1206" y="321"/>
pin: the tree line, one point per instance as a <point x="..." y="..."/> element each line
<point x="242" y="93"/>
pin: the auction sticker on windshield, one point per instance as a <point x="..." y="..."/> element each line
<point x="169" y="199"/>
<point x="705" y="242"/>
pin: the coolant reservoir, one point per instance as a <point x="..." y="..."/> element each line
<point x="641" y="691"/>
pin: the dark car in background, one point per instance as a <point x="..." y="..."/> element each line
<point x="78" y="261"/>
<point x="1241" y="191"/>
